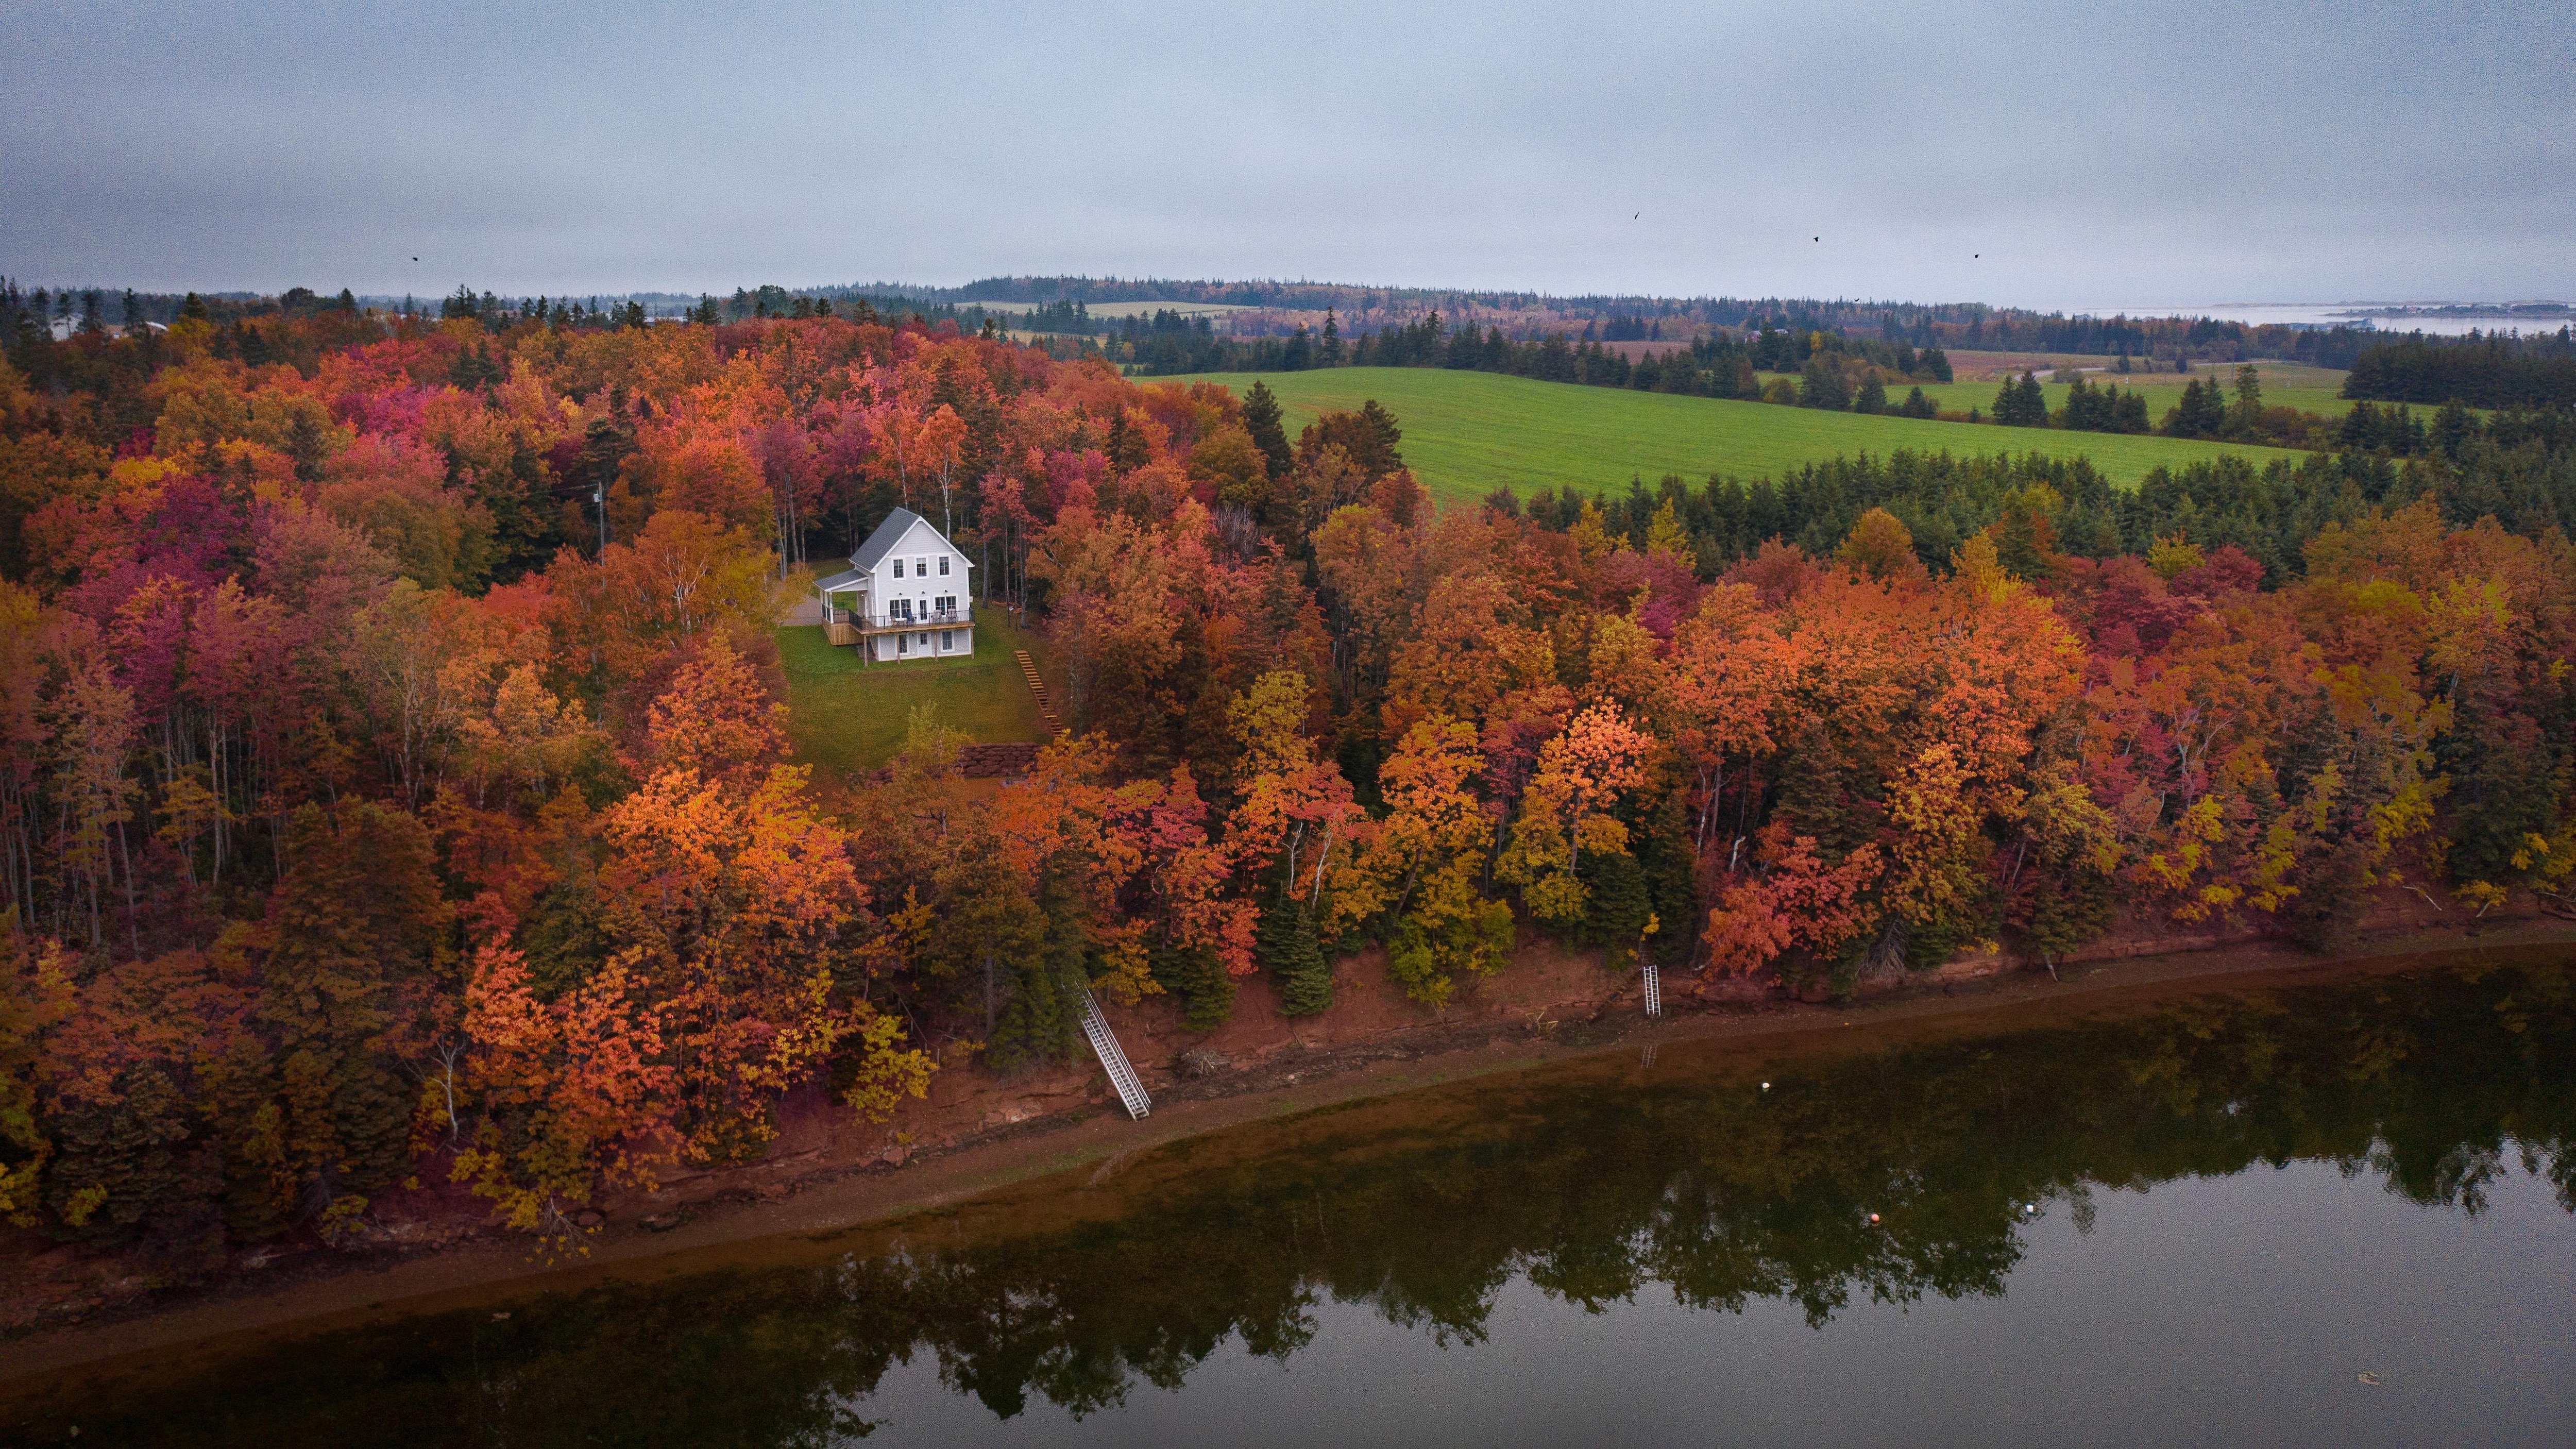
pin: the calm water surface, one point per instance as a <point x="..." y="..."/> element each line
<point x="2199" y="1222"/>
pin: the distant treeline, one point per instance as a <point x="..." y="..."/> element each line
<point x="1061" y="307"/>
<point x="2041" y="507"/>
<point x="1616" y="317"/>
<point x="96" y="309"/>
<point x="2485" y="372"/>
<point x="1717" y="365"/>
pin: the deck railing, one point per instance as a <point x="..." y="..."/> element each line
<point x="897" y="623"/>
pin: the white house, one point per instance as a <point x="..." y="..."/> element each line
<point x="907" y="594"/>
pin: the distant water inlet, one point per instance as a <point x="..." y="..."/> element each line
<point x="2328" y="1215"/>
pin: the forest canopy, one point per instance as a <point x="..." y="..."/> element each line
<point x="395" y="790"/>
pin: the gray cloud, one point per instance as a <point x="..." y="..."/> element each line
<point x="2093" y="155"/>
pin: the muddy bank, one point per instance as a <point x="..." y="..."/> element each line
<point x="979" y="1132"/>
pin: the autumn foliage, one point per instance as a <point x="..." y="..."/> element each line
<point x="380" y="811"/>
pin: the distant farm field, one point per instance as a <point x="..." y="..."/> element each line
<point x="2309" y="389"/>
<point x="1469" y="433"/>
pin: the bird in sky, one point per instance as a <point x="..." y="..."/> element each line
<point x="1633" y="218"/>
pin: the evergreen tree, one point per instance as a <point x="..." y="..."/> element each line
<point x="2249" y="398"/>
<point x="357" y="938"/>
<point x="124" y="1161"/>
<point x="1195" y="977"/>
<point x="2453" y="426"/>
<point x="1285" y="941"/>
<point x="1261" y="419"/>
<point x="1873" y="396"/>
<point x="2034" y="402"/>
<point x="1822" y="384"/>
<point x="2021" y="404"/>
<point x="1040" y="1019"/>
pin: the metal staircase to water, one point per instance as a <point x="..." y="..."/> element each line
<point x="1654" y="990"/>
<point x="1113" y="1060"/>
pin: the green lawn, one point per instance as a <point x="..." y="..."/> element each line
<point x="1468" y="433"/>
<point x="846" y="718"/>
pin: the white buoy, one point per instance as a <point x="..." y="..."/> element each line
<point x="1766" y="1086"/>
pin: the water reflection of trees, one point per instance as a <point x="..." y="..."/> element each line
<point x="2437" y="1085"/>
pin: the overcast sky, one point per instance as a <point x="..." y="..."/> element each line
<point x="2075" y="155"/>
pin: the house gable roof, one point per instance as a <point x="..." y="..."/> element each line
<point x="890" y="535"/>
<point x="880" y="543"/>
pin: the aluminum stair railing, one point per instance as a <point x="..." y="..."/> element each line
<point x="1654" y="991"/>
<point x="1113" y="1060"/>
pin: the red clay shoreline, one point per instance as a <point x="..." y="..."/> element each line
<point x="849" y="1183"/>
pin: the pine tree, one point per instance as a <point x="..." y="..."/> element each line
<point x="2034" y="402"/>
<point x="1284" y="940"/>
<point x="1822" y="384"/>
<point x="1616" y="905"/>
<point x="119" y="1157"/>
<point x="1306" y="977"/>
<point x="2021" y="404"/>
<point x="1040" y="1019"/>
<point x="357" y="931"/>
<point x="2453" y="426"/>
<point x="1197" y="978"/>
<point x="240" y="1098"/>
<point x="1261" y="419"/>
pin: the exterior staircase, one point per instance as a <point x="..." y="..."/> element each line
<point x="1037" y="686"/>
<point x="1654" y="990"/>
<point x="1113" y="1060"/>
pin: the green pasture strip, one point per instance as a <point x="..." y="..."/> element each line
<point x="1469" y="433"/>
<point x="845" y="717"/>
<point x="2163" y="390"/>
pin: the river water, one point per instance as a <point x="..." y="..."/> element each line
<point x="2339" y="1214"/>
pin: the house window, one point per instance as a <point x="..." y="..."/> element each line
<point x="925" y="641"/>
<point x="898" y="568"/>
<point x="902" y="643"/>
<point x="943" y="565"/>
<point x="947" y="640"/>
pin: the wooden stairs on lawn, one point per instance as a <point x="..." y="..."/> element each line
<point x="1113" y="1060"/>
<point x="1037" y="686"/>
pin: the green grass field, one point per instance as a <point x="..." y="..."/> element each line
<point x="1469" y="433"/>
<point x="846" y="718"/>
<point x="2309" y="389"/>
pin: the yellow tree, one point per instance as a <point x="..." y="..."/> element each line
<point x="1423" y="865"/>
<point x="1582" y="775"/>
